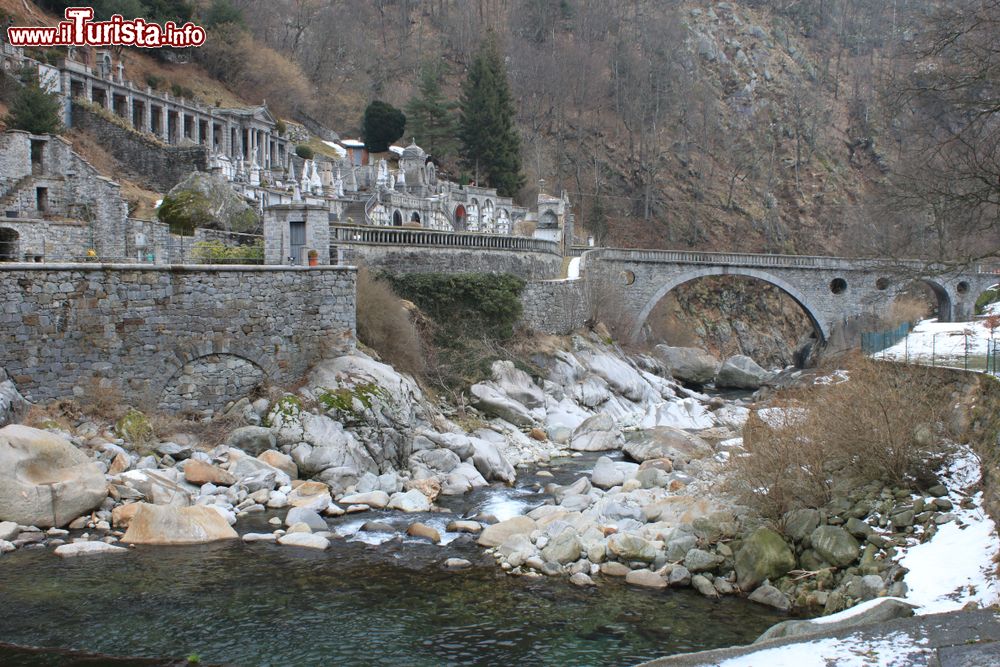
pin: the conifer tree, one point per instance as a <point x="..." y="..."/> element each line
<point x="430" y="117"/>
<point x="382" y="125"/>
<point x="490" y="143"/>
<point x="35" y="110"/>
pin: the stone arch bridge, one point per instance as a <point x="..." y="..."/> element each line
<point x="831" y="290"/>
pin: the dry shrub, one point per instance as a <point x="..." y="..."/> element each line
<point x="386" y="325"/>
<point x="102" y="401"/>
<point x="882" y="425"/>
<point x="606" y="304"/>
<point x="907" y="308"/>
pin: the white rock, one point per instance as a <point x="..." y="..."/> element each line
<point x="87" y="549"/>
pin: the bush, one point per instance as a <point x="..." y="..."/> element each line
<point x="304" y="152"/>
<point x="382" y="125"/>
<point x="879" y="426"/>
<point x="386" y="325"/>
<point x="217" y="252"/>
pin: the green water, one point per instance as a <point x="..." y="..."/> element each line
<point x="352" y="605"/>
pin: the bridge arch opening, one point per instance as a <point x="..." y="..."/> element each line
<point x="744" y="311"/>
<point x="917" y="300"/>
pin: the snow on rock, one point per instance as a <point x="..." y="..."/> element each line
<point x="852" y="651"/>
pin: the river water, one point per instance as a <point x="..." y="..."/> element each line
<point x="372" y="598"/>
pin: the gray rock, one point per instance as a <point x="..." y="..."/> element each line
<point x="432" y="462"/>
<point x="680" y="545"/>
<point x="490" y="463"/>
<point x="772" y="597"/>
<point x="800" y="523"/>
<point x="497" y="533"/>
<point x="305" y="540"/>
<point x="339" y="479"/>
<point x="582" y="580"/>
<point x="879" y="612"/>
<point x="492" y="401"/>
<point x="8" y="530"/>
<point x="835" y="545"/>
<point x="605" y="474"/>
<point x="858" y="528"/>
<point x="688" y="364"/>
<point x="645" y="578"/>
<point x="666" y="442"/>
<point x="679" y="576"/>
<point x="12" y="404"/>
<point x="704" y="586"/>
<point x="517" y="549"/>
<point x="517" y="384"/>
<point x="457" y="563"/>
<point x="597" y="433"/>
<point x="174" y="451"/>
<point x="217" y="201"/>
<point x="253" y="440"/>
<point x="698" y="560"/>
<point x="307" y="516"/>
<point x="764" y="555"/>
<point x="376" y="499"/>
<point x="409" y="501"/>
<point x="741" y="372"/>
<point x="88" y="549"/>
<point x="563" y="548"/>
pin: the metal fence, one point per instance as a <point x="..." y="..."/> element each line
<point x="873" y="342"/>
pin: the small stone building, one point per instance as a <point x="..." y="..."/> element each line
<point x="292" y="230"/>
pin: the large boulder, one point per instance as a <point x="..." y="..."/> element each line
<point x="606" y="474"/>
<point x="206" y="199"/>
<point x="498" y="533"/>
<point x="330" y="446"/>
<point x="517" y="384"/>
<point x="835" y="545"/>
<point x="490" y="463"/>
<point x="666" y="442"/>
<point x="44" y="480"/>
<point x="354" y="388"/>
<point x="629" y="547"/>
<point x="740" y="372"/>
<point x="155" y="524"/>
<point x="688" y="364"/>
<point x="430" y="462"/>
<point x="253" y="440"/>
<point x="596" y="434"/>
<point x="12" y="404"/>
<point x="487" y="397"/>
<point x="764" y="555"/>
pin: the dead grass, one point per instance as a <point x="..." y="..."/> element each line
<point x="884" y="424"/>
<point x="386" y="324"/>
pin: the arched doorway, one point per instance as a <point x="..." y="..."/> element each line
<point x="415" y="218"/>
<point x="397" y="219"/>
<point x="460" y="217"/>
<point x="8" y="245"/>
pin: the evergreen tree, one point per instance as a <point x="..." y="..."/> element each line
<point x="382" y="125"/>
<point x="430" y="118"/>
<point x="34" y="110"/>
<point x="490" y="143"/>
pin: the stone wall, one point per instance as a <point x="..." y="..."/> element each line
<point x="151" y="162"/>
<point x="396" y="259"/>
<point x="180" y="337"/>
<point x="554" y="306"/>
<point x="74" y="190"/>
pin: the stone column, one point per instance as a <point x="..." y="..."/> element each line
<point x="147" y="116"/>
<point x="195" y="129"/>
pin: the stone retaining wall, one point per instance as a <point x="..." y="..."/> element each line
<point x="554" y="306"/>
<point x="400" y="259"/>
<point x="154" y="164"/>
<point x="182" y="337"/>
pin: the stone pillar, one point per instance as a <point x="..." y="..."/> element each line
<point x="147" y="116"/>
<point x="195" y="129"/>
<point x="130" y="109"/>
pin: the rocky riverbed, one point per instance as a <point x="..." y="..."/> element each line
<point x="603" y="474"/>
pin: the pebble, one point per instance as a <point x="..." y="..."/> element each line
<point x="457" y="563"/>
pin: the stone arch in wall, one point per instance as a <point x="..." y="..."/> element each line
<point x="397" y="218"/>
<point x="9" y="245"/>
<point x="460" y="218"/>
<point x="209" y="382"/>
<point x="672" y="282"/>
<point x="415" y="218"/>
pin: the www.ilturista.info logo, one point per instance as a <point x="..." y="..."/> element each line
<point x="80" y="30"/>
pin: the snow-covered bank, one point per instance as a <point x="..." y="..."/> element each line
<point x="957" y="565"/>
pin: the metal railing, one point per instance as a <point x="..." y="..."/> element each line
<point x="873" y="342"/>
<point x="345" y="234"/>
